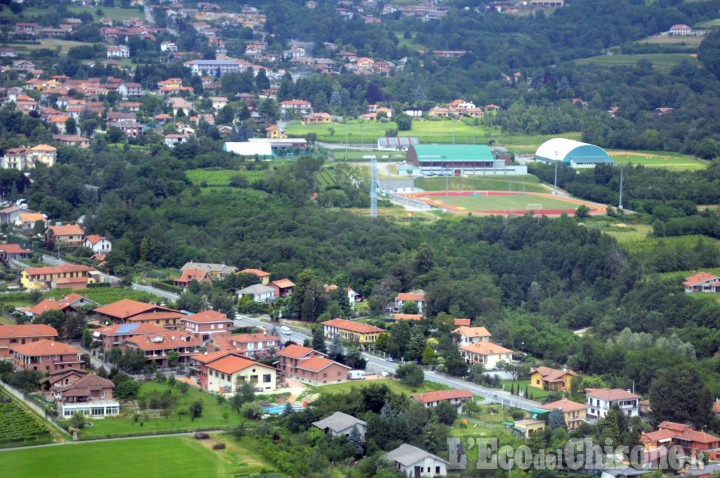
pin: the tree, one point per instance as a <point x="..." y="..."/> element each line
<point x="70" y="126"/>
<point x="582" y="212"/>
<point x="127" y="390"/>
<point x="318" y="340"/>
<point x="429" y="356"/>
<point x="184" y="388"/>
<point x="477" y="373"/>
<point x="424" y="259"/>
<point x="335" y="352"/>
<point x="39" y="227"/>
<point x="446" y="412"/>
<point x="709" y="53"/>
<point x="556" y="419"/>
<point x="196" y="409"/>
<point x="78" y="421"/>
<point x="410" y="375"/>
<point x="455" y="364"/>
<point x="676" y="394"/>
<point x="404" y="122"/>
<point x="356" y="442"/>
<point x="410" y="307"/>
<point x="252" y="411"/>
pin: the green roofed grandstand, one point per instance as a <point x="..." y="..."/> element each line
<point x="572" y="153"/>
<point x="458" y="160"/>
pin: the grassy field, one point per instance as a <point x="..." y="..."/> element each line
<point x="709" y="24"/>
<point x="661" y="61"/>
<point x="504" y="203"/>
<point x="116" y="14"/>
<point x="212" y="416"/>
<point x="221" y="177"/>
<point x="145" y="457"/>
<point x="535" y="393"/>
<point x="506" y="183"/>
<point x="23" y="49"/>
<point x="103" y="295"/>
<point x="394" y="385"/>
<point x="689" y="41"/>
<point x="647" y="245"/>
<point x="658" y="159"/>
<point x="621" y="231"/>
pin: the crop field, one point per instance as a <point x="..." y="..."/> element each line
<point x="661" y="61"/>
<point x="526" y="183"/>
<point x="116" y="14"/>
<point x="221" y="177"/>
<point x="658" y="159"/>
<point x="18" y="426"/>
<point x="497" y="202"/>
<point x="23" y="49"/>
<point x="143" y="457"/>
<point x="689" y="41"/>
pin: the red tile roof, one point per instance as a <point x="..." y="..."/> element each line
<point x="407" y="316"/>
<point x="209" y="357"/>
<point x="94" y="239"/>
<point x="410" y="296"/>
<point x="65" y="268"/>
<point x="207" y="316"/>
<point x="67" y="230"/>
<point x="441" y="395"/>
<point x="565" y="405"/>
<point x="45" y="347"/>
<point x="141" y="329"/>
<point x="486" y="348"/>
<point x="13" y="249"/>
<point x="472" y="331"/>
<point x="163" y="341"/>
<point x="462" y="322"/>
<point x="356" y="327"/>
<point x="125" y="308"/>
<point x="27" y="330"/>
<point x="283" y="283"/>
<point x="248" y="338"/>
<point x="189" y="275"/>
<point x="699" y="278"/>
<point x="316" y="364"/>
<point x="255" y="272"/>
<point x="657" y="436"/>
<point x="552" y="375"/>
<point x="162" y="315"/>
<point x="296" y="351"/>
<point x="611" y="394"/>
<point x="232" y="363"/>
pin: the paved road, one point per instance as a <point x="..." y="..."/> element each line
<point x="378" y="364"/>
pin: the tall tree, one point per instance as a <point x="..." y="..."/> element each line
<point x="676" y="394"/>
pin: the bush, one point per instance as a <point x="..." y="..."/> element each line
<point x="251" y="411"/>
<point x="410" y="375"/>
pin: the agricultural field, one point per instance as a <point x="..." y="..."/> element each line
<point x="394" y="385"/>
<point x="161" y="456"/>
<point x="23" y="49"/>
<point x="527" y="183"/>
<point x="692" y="42"/>
<point x="19" y="427"/>
<point x="221" y="177"/>
<point x="622" y="231"/>
<point x="116" y="14"/>
<point x="662" y="61"/>
<point x="655" y="159"/>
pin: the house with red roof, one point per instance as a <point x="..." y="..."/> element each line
<point x="461" y="322"/>
<point x="680" y="30"/>
<point x="702" y="282"/>
<point x="486" y="353"/>
<point x="69" y="303"/>
<point x="65" y="276"/>
<point x="223" y="372"/>
<point x="470" y="335"/>
<point x="455" y="397"/>
<point x="158" y="346"/>
<point x="113" y="335"/>
<point x="98" y="244"/>
<point x="296" y="106"/>
<point x="67" y="235"/>
<point x="260" y="274"/>
<point x="308" y="365"/>
<point x="417" y="296"/>
<point x="546" y="378"/>
<point x="45" y="356"/>
<point x="684" y="436"/>
<point x="11" y="335"/>
<point x="599" y="401"/>
<point x="13" y="252"/>
<point x="127" y="311"/>
<point x="189" y="275"/>
<point x="250" y="345"/>
<point x="208" y="324"/>
<point x="351" y="331"/>
<point x="575" y="413"/>
<point x="283" y="287"/>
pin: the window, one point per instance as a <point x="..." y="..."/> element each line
<point x="325" y="375"/>
<point x="267" y="378"/>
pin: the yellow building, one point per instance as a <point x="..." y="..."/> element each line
<point x="66" y="276"/>
<point x="224" y="374"/>
<point x="546" y="378"/>
<point x="575" y="413"/>
<point x="351" y="331"/>
<point x="44" y="154"/>
<point x="529" y="427"/>
<point x="274" y="132"/>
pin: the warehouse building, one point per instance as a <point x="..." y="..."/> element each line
<point x="458" y="160"/>
<point x="572" y="153"/>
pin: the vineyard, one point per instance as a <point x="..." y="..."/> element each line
<point x="19" y="427"/>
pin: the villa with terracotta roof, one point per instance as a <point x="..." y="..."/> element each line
<point x="599" y="401"/>
<point x="189" y="275"/>
<point x="216" y="271"/>
<point x="13" y="252"/>
<point x="66" y="276"/>
<point x="306" y="364"/>
<point x="250" y="345"/>
<point x="415" y="296"/>
<point x="283" y="287"/>
<point x="157" y="346"/>
<point x="575" y="413"/>
<point x="222" y="372"/>
<point x="486" y="353"/>
<point x="208" y="324"/>
<point x="11" y="335"/>
<point x="470" y="335"/>
<point x="77" y="391"/>
<point x="260" y="274"/>
<point x="351" y="331"/>
<point x="170" y="320"/>
<point x="456" y="397"/>
<point x="69" y="303"/>
<point x="68" y="235"/>
<point x="45" y="356"/>
<point x="546" y="378"/>
<point x="113" y="335"/>
<point x="685" y="436"/>
<point x="98" y="244"/>
<point x="123" y="310"/>
<point x="702" y="282"/>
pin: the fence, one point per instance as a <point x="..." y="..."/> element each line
<point x="28" y="402"/>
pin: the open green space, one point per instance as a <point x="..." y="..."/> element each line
<point x="657" y="159"/>
<point x="648" y="244"/>
<point x="101" y="295"/>
<point x="221" y="177"/>
<point x="144" y="457"/>
<point x="527" y="183"/>
<point x="394" y="386"/>
<point x="214" y="416"/>
<point x="504" y="203"/>
<point x="709" y="24"/>
<point x="691" y="42"/>
<point x="19" y="426"/>
<point x="622" y="231"/>
<point x="533" y="393"/>
<point x="662" y="61"/>
<point x="116" y="14"/>
<point x="23" y="49"/>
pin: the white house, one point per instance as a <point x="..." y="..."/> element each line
<point x="702" y="282"/>
<point x="258" y="293"/>
<point x="98" y="244"/>
<point x="173" y="139"/>
<point x="599" y="401"/>
<point x="486" y="353"/>
<point x="168" y="46"/>
<point x="119" y="51"/>
<point x="417" y="296"/>
<point x="471" y="335"/>
<point x="340" y="423"/>
<point x="415" y="462"/>
<point x="680" y="30"/>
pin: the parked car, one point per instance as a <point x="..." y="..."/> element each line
<point x="285" y="330"/>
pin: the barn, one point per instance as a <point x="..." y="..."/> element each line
<point x="572" y="153"/>
<point x="456" y="160"/>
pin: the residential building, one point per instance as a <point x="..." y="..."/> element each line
<point x="131" y="311"/>
<point x="98" y="244"/>
<point x="250" y="345"/>
<point x="599" y="401"/>
<point x="10" y="252"/>
<point x="189" y="275"/>
<point x="216" y="271"/>
<point x="351" y="331"/>
<point x="339" y="424"/>
<point x="306" y="364"/>
<point x="680" y="30"/>
<point x="691" y="440"/>
<point x="471" y="335"/>
<point x="10" y="215"/>
<point x="168" y="46"/>
<point x="11" y="335"/>
<point x="126" y="90"/>
<point x="260" y="274"/>
<point x="111" y="336"/>
<point x="69" y="303"/>
<point x="118" y="51"/>
<point x="171" y="140"/>
<point x="208" y="325"/>
<point x="300" y="107"/>
<point x="546" y="378"/>
<point x="462" y="322"/>
<point x="455" y="397"/>
<point x="222" y="372"/>
<point x="66" y="276"/>
<point x="45" y="355"/>
<point x="90" y="395"/>
<point x="71" y="140"/>
<point x="575" y="413"/>
<point x="158" y="346"/>
<point x="215" y="67"/>
<point x="26" y="221"/>
<point x="528" y="427"/>
<point x="250" y="149"/>
<point x="70" y="235"/>
<point x="702" y="282"/>
<point x="417" y="296"/>
<point x="25" y="158"/>
<point x="314" y="118"/>
<point x="283" y="287"/>
<point x="415" y="462"/>
<point x="486" y="353"/>
<point x="258" y="292"/>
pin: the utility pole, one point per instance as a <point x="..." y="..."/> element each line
<point x="556" y="167"/>
<point x="622" y="167"/>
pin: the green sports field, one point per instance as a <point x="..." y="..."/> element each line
<point x="655" y="159"/>
<point x="501" y="203"/>
<point x="145" y="457"/>
<point x="527" y="183"/>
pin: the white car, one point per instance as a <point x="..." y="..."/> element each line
<point x="285" y="330"/>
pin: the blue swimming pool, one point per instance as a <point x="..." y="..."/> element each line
<point x="278" y="409"/>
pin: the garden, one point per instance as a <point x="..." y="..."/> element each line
<point x="18" y="427"/>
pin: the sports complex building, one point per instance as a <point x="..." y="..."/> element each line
<point x="458" y="160"/>
<point x="572" y="153"/>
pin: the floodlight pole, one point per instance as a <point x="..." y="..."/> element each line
<point x="447" y="188"/>
<point x="556" y="167"/>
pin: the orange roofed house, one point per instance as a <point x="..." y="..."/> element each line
<point x="486" y="353"/>
<point x="702" y="282"/>
<point x="45" y="356"/>
<point x="208" y="324"/>
<point x="68" y="235"/>
<point x="308" y="365"/>
<point x="415" y="296"/>
<point x="221" y="372"/>
<point x="575" y="413"/>
<point x="455" y="397"/>
<point x="13" y="252"/>
<point x="69" y="303"/>
<point x="127" y="311"/>
<point x="189" y="275"/>
<point x="251" y="345"/>
<point x="113" y="335"/>
<point x="156" y="347"/>
<point x="11" y="335"/>
<point x="351" y="331"/>
<point x="262" y="275"/>
<point x="691" y="440"/>
<point x="66" y="276"/>
<point x="283" y="287"/>
<point x="546" y="378"/>
<point x="471" y="335"/>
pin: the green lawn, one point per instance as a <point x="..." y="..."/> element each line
<point x="116" y="14"/>
<point x="23" y="49"/>
<point x="661" y="61"/>
<point x="394" y="385"/>
<point x="658" y="159"/>
<point x="145" y="457"/>
<point x="502" y="203"/>
<point x="621" y="231"/>
<point x="221" y="177"/>
<point x="212" y="416"/>
<point x="646" y="246"/>
<point x="534" y="393"/>
<point x="528" y="183"/>
<point x="691" y="42"/>
<point x="709" y="24"/>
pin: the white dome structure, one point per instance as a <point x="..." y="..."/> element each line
<point x="572" y="153"/>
